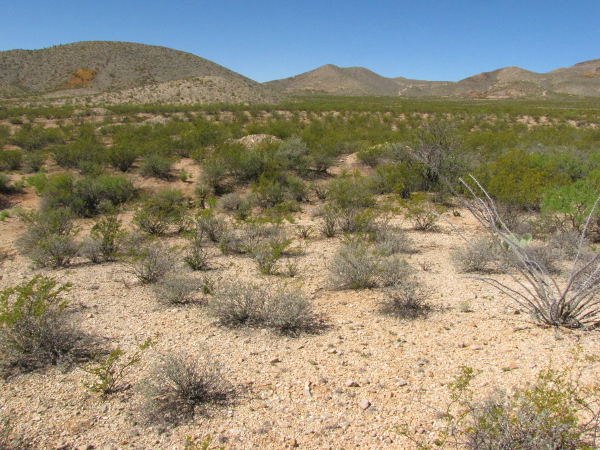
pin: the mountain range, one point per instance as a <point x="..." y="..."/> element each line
<point x="120" y="72"/>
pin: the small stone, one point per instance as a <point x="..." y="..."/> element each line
<point x="476" y="347"/>
<point x="402" y="382"/>
<point x="293" y="443"/>
<point x="352" y="383"/>
<point x="236" y="431"/>
<point x="513" y="365"/>
<point x="364" y="404"/>
<point x="307" y="393"/>
<point x="274" y="361"/>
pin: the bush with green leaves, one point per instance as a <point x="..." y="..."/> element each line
<point x="268" y="253"/>
<point x="182" y="387"/>
<point x="238" y="303"/>
<point x="554" y="412"/>
<point x="49" y="237"/>
<point x="111" y="370"/>
<point x="350" y="191"/>
<point x="35" y="325"/>
<point x="10" y="160"/>
<point x="157" y="166"/>
<point x="106" y="241"/>
<point x="122" y="157"/>
<point x="423" y="214"/>
<point x="165" y="208"/>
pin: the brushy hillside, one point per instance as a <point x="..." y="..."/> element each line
<point x="88" y="68"/>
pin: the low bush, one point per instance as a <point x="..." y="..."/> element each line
<point x="35" y="325"/>
<point x="356" y="265"/>
<point x="10" y="160"/>
<point x="158" y="213"/>
<point x="106" y="241"/>
<point x="554" y="412"/>
<point x="157" y="166"/>
<point x="183" y="387"/>
<point x="177" y="290"/>
<point x="268" y="253"/>
<point x="49" y="237"/>
<point x="407" y="300"/>
<point x="150" y="261"/>
<point x="241" y="304"/>
<point x="482" y="254"/>
<point x="196" y="257"/>
<point x="390" y="240"/>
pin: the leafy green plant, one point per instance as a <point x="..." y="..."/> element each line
<point x="111" y="370"/>
<point x="106" y="241"/>
<point x="35" y="329"/>
<point x="554" y="412"/>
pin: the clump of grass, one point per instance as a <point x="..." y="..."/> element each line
<point x="242" y="304"/>
<point x="150" y="261"/>
<point x="182" y="387"/>
<point x="177" y="290"/>
<point x="407" y="300"/>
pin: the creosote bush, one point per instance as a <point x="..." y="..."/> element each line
<point x="243" y="304"/>
<point x="106" y="241"/>
<point x="150" y="261"/>
<point x="182" y="387"/>
<point x="554" y="412"/>
<point x="35" y="327"/>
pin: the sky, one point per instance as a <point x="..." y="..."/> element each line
<point x="441" y="40"/>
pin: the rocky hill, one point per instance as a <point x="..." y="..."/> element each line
<point x="582" y="79"/>
<point x="99" y="67"/>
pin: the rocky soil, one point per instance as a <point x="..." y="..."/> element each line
<point x="354" y="384"/>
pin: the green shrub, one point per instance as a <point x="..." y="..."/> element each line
<point x="122" y="157"/>
<point x="546" y="414"/>
<point x="196" y="257"/>
<point x="10" y="159"/>
<point x="93" y="195"/>
<point x="49" y="237"/>
<point x="35" y="328"/>
<point x="183" y="387"/>
<point x="350" y="191"/>
<point x="159" y="212"/>
<point x="483" y="255"/>
<point x="268" y="253"/>
<point x="106" y="241"/>
<point x="157" y="166"/>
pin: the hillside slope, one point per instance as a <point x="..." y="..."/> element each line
<point x="93" y="67"/>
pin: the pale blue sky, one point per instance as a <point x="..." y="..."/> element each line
<point x="272" y="39"/>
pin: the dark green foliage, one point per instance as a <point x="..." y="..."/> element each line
<point x="122" y="157"/>
<point x="350" y="190"/>
<point x="159" y="212"/>
<point x="35" y="328"/>
<point x="10" y="159"/>
<point x="157" y="166"/>
<point x="30" y="137"/>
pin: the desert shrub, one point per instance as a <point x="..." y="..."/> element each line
<point x="36" y="137"/>
<point x="329" y="223"/>
<point x="236" y="204"/>
<point x="196" y="257"/>
<point x="566" y="243"/>
<point x="249" y="236"/>
<point x="150" y="261"/>
<point x="572" y="203"/>
<point x="4" y="183"/>
<point x="268" y="253"/>
<point x="33" y="162"/>
<point x="203" y="191"/>
<point x="35" y="327"/>
<point x="423" y="214"/>
<point x="478" y="255"/>
<point x="356" y="265"/>
<point x="293" y="154"/>
<point x="210" y="225"/>
<point x="571" y="302"/>
<point x="355" y="220"/>
<point x="156" y="166"/>
<point x="85" y="153"/>
<point x="407" y="300"/>
<point x="544" y="415"/>
<point x="159" y="212"/>
<point x="350" y="191"/>
<point x="390" y="240"/>
<point x="182" y="387"/>
<point x="177" y="290"/>
<point x="105" y="242"/>
<point x="122" y="157"/>
<point x="242" y="304"/>
<point x="93" y="195"/>
<point x="10" y="159"/>
<point x="48" y="238"/>
<point x="112" y="370"/>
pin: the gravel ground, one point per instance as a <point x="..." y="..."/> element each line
<point x="353" y="384"/>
